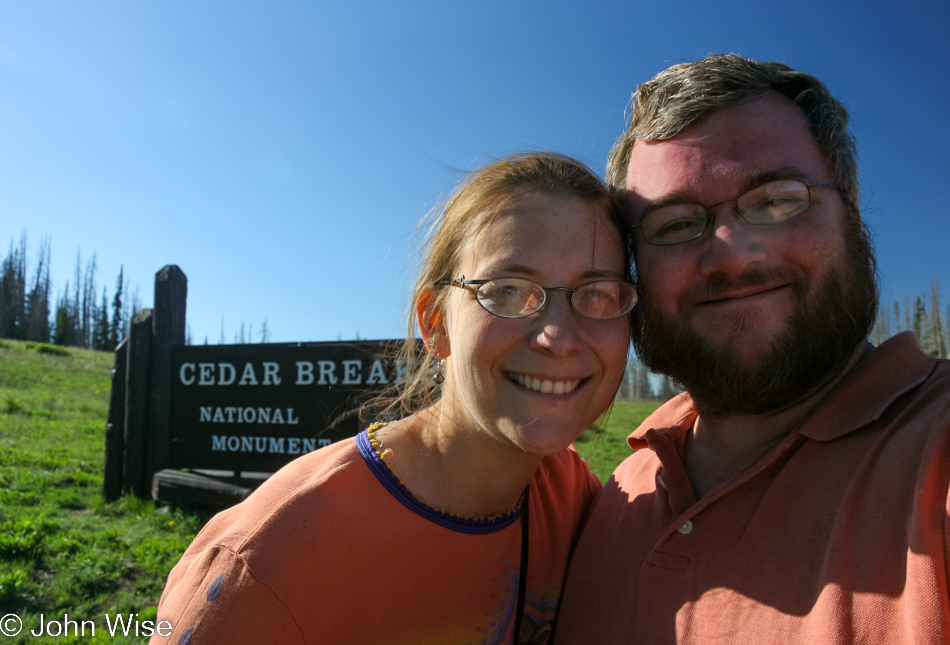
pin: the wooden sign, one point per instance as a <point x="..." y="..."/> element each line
<point x="257" y="407"/>
<point x="237" y="408"/>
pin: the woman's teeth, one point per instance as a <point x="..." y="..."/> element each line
<point x="544" y="387"/>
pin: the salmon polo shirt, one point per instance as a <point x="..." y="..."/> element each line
<point x="839" y="535"/>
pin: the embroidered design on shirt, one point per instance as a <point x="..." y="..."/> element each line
<point x="214" y="588"/>
<point x="537" y="621"/>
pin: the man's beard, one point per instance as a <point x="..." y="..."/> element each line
<point x="829" y="322"/>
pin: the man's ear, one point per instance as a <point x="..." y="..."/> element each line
<point x="431" y="323"/>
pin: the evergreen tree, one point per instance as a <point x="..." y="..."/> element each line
<point x="946" y="331"/>
<point x="89" y="303"/>
<point x="935" y="340"/>
<point x="13" y="321"/>
<point x="37" y="302"/>
<point x="75" y="307"/>
<point x="8" y="296"/>
<point x="101" y="328"/>
<point x="920" y="315"/>
<point x="265" y="332"/>
<point x="65" y="328"/>
<point x="116" y="331"/>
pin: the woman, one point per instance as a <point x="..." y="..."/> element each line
<point x="420" y="531"/>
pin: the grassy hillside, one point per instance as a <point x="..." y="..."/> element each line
<point x="62" y="549"/>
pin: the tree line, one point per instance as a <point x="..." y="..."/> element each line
<point x="77" y="317"/>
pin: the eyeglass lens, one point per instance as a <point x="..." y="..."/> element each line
<point x="519" y="297"/>
<point x="770" y="203"/>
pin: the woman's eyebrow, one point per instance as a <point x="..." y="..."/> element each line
<point x="499" y="270"/>
<point x="502" y="269"/>
<point x="601" y="273"/>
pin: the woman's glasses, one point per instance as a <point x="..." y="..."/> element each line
<point x="520" y="297"/>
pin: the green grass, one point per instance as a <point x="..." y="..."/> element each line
<point x="604" y="445"/>
<point x="62" y="549"/>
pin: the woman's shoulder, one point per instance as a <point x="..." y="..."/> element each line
<point x="564" y="478"/>
<point x="257" y="551"/>
<point x="305" y="486"/>
<point x="565" y="464"/>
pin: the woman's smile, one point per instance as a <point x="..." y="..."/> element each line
<point x="543" y="385"/>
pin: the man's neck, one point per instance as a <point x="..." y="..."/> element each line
<point x="717" y="449"/>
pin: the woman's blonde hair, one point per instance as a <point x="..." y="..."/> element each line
<point x="474" y="204"/>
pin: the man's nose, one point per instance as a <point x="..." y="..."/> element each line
<point x="732" y="246"/>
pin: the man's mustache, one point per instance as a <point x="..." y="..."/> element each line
<point x="718" y="286"/>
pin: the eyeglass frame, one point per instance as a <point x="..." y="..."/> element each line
<point x="461" y="282"/>
<point x="711" y="216"/>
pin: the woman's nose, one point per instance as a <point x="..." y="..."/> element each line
<point x="558" y="325"/>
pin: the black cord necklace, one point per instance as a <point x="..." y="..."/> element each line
<point x="523" y="574"/>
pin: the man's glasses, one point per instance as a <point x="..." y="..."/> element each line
<point x="771" y="203"/>
<point x="520" y="297"/>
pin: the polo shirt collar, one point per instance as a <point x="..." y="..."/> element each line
<point x="861" y="396"/>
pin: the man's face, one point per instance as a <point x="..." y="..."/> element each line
<point x="748" y="318"/>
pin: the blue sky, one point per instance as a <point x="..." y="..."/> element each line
<point x="282" y="153"/>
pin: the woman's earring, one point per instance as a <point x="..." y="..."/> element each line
<point x="439" y="374"/>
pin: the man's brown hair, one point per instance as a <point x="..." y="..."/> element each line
<point x="681" y="97"/>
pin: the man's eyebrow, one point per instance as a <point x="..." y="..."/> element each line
<point x="682" y="196"/>
<point x="689" y="195"/>
<point x="787" y="172"/>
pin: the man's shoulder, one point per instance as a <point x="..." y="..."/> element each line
<point x="896" y="378"/>
<point x="918" y="384"/>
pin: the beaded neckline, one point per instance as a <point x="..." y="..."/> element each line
<point x="374" y="455"/>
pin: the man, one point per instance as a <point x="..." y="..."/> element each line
<point x="798" y="491"/>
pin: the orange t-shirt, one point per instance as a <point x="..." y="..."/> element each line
<point x="332" y="549"/>
<point x="839" y="535"/>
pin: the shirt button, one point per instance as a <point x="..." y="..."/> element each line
<point x="686" y="528"/>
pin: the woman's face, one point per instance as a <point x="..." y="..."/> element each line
<point x="556" y="242"/>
